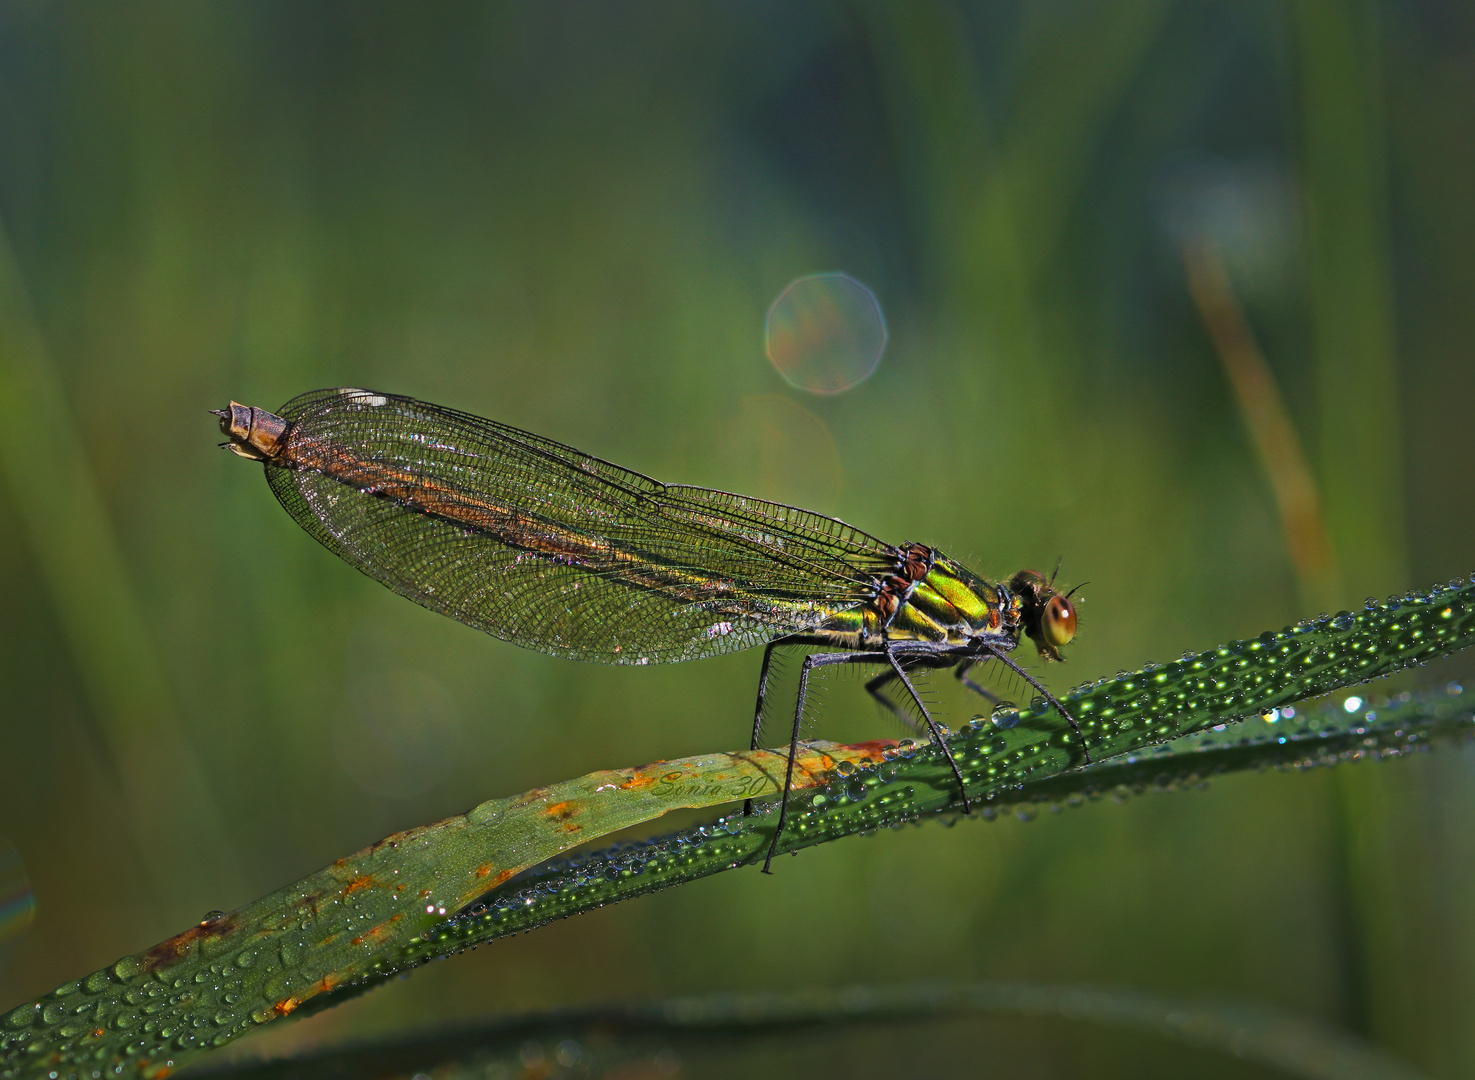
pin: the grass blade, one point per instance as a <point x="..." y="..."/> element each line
<point x="436" y="890"/>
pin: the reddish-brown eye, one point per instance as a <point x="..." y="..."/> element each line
<point x="1059" y="622"/>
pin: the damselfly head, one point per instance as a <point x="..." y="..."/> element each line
<point x="1048" y="617"/>
<point x="253" y="433"/>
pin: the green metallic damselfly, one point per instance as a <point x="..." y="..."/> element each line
<point x="546" y="547"/>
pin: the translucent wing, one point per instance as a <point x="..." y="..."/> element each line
<point x="549" y="548"/>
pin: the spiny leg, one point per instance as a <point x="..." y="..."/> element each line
<point x="961" y="671"/>
<point x="810" y="662"/>
<point x="874" y="688"/>
<point x="881" y="681"/>
<point x="889" y="676"/>
<point x="999" y="654"/>
<point x="932" y="727"/>
<point x="758" y="711"/>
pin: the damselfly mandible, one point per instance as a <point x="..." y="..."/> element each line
<point x="546" y="547"/>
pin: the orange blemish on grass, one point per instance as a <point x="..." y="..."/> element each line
<point x="561" y="810"/>
<point x="363" y="881"/>
<point x="285" y="1006"/>
<point x="175" y="949"/>
<point x="395" y="839"/>
<point x="375" y="933"/>
<point x="875" y="750"/>
<point x="482" y="889"/>
<point x="326" y="983"/>
<point x="528" y="797"/>
<point x="484" y="869"/>
<point x="639" y="780"/>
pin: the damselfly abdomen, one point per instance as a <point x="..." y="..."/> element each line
<point x="546" y="547"/>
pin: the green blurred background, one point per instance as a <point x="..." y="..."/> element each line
<point x="574" y="218"/>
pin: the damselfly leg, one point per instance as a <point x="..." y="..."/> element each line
<point x="890" y="656"/>
<point x="961" y="674"/>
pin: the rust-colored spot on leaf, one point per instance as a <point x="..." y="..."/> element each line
<point x="286" y="1005"/>
<point x="171" y="951"/>
<point x="639" y="780"/>
<point x="374" y="934"/>
<point x="875" y="750"/>
<point x="392" y="840"/>
<point x="484" y="869"/>
<point x="562" y="811"/>
<point x="505" y="875"/>
<point x="326" y="983"/>
<point x="312" y="902"/>
<point x="363" y="881"/>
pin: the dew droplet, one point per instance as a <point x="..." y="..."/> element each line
<point x="1005" y="715"/>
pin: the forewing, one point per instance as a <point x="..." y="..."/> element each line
<point x="541" y="545"/>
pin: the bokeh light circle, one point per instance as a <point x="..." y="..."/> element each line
<point x="825" y="333"/>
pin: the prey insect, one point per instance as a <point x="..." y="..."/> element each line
<point x="549" y="548"/>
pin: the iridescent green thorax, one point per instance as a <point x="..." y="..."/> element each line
<point x="953" y="605"/>
<point x="928" y="598"/>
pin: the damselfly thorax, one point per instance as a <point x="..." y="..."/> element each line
<point x="926" y="598"/>
<point x="552" y="549"/>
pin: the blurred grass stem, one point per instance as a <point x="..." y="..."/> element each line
<point x="1269" y="422"/>
<point x="72" y="539"/>
<point x="1339" y="65"/>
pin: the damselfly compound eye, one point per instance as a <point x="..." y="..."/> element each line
<point x="1059" y="622"/>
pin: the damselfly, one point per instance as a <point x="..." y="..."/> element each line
<point x="551" y="549"/>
